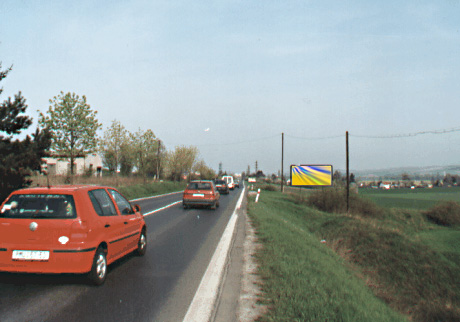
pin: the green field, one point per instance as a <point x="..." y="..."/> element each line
<point x="420" y="198"/>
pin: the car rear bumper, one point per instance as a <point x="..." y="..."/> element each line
<point x="78" y="260"/>
<point x="198" y="202"/>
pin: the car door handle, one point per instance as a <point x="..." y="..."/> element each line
<point x="107" y="225"/>
<point x="126" y="222"/>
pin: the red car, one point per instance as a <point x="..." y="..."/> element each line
<point x="69" y="229"/>
<point x="201" y="193"/>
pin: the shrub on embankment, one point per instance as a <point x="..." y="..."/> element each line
<point x="445" y="213"/>
<point x="334" y="200"/>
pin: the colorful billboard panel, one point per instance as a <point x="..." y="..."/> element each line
<point x="311" y="175"/>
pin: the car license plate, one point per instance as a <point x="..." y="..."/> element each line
<point x="31" y="255"/>
<point x="198" y="195"/>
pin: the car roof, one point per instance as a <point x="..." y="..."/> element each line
<point x="59" y="189"/>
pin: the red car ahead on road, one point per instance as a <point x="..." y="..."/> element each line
<point x="68" y="229"/>
<point x="201" y="193"/>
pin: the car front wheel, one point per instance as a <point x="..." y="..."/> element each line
<point x="142" y="244"/>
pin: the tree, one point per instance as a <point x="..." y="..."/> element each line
<point x="405" y="176"/>
<point x="18" y="158"/>
<point x="206" y="173"/>
<point x="145" y="148"/>
<point x="337" y="177"/>
<point x="181" y="161"/>
<point x="352" y="177"/>
<point x="114" y="147"/>
<point x="73" y="126"/>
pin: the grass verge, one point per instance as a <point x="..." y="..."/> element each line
<point x="366" y="262"/>
<point x="303" y="279"/>
<point x="151" y="189"/>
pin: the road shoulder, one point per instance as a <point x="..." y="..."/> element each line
<point x="240" y="290"/>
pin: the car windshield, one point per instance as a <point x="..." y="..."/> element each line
<point x="39" y="206"/>
<point x="199" y="186"/>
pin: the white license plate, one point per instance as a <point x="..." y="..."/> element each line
<point x="198" y="195"/>
<point x="31" y="255"/>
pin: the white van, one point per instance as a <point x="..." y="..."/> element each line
<point x="229" y="181"/>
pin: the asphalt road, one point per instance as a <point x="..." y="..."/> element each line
<point x="156" y="287"/>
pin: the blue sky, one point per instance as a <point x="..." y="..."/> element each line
<point x="248" y="71"/>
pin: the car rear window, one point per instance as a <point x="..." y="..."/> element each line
<point x="199" y="186"/>
<point x="39" y="206"/>
<point x="220" y="182"/>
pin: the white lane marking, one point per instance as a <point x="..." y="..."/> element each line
<point x="162" y="208"/>
<point x="203" y="302"/>
<point x="153" y="197"/>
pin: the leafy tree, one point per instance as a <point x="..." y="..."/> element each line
<point x="206" y="173"/>
<point x="405" y="176"/>
<point x="114" y="147"/>
<point x="73" y="126"/>
<point x="145" y="148"/>
<point x="180" y="161"/>
<point x="337" y="178"/>
<point x="18" y="158"/>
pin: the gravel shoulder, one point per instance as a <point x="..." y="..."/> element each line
<point x="240" y="291"/>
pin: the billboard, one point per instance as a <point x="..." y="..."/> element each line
<point x="311" y="175"/>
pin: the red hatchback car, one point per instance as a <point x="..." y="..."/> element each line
<point x="201" y="193"/>
<point x="68" y="229"/>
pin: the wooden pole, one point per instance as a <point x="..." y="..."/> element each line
<point x="348" y="176"/>
<point x="282" y="162"/>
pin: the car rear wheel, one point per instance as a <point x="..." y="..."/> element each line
<point x="217" y="204"/>
<point x="98" y="271"/>
<point x="142" y="244"/>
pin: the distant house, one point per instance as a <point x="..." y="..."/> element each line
<point x="60" y="165"/>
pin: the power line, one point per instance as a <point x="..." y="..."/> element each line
<point x="393" y="136"/>
<point x="315" y="138"/>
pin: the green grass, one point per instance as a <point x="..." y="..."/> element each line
<point x="420" y="198"/>
<point x="367" y="265"/>
<point x="304" y="280"/>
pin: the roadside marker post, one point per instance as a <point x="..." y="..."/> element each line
<point x="258" y="193"/>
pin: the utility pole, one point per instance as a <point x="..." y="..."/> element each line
<point x="348" y="177"/>
<point x="282" y="162"/>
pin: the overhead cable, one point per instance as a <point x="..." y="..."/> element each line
<point x="405" y="135"/>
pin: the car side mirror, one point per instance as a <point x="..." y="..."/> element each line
<point x="137" y="208"/>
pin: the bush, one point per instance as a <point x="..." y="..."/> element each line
<point x="446" y="213"/>
<point x="268" y="187"/>
<point x="334" y="200"/>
